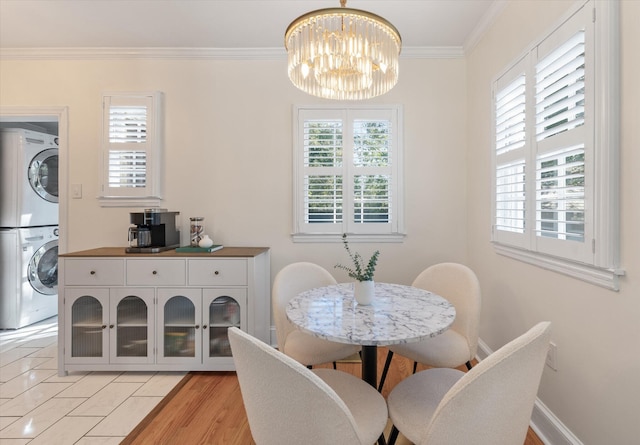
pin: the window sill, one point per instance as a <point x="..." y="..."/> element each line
<point x="353" y="237"/>
<point x="603" y="277"/>
<point x="146" y="202"/>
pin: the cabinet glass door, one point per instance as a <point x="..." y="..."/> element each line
<point x="86" y="312"/>
<point x="179" y="327"/>
<point x="131" y="334"/>
<point x="131" y="325"/>
<point x="226" y="308"/>
<point x="87" y="327"/>
<point x="179" y="333"/>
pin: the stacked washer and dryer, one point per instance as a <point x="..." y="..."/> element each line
<point x="28" y="227"/>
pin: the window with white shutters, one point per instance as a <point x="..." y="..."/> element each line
<point x="132" y="144"/>
<point x="555" y="158"/>
<point x="347" y="169"/>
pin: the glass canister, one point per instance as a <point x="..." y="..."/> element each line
<point x="196" y="231"/>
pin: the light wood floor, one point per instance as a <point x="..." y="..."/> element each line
<point x="207" y="408"/>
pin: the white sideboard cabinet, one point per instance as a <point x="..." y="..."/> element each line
<point x="165" y="311"/>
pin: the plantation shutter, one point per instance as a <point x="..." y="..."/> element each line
<point x="564" y="143"/>
<point x="127" y="128"/>
<point x="510" y="105"/>
<point x="323" y="171"/>
<point x="346" y="171"/>
<point x="372" y="179"/>
<point x="132" y="144"/>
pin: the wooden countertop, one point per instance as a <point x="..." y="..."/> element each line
<point x="120" y="252"/>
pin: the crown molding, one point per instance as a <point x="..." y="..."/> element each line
<point x="194" y="53"/>
<point x="483" y="25"/>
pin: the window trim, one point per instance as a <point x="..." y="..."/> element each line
<point x="605" y="270"/>
<point x="152" y="195"/>
<point x="397" y="234"/>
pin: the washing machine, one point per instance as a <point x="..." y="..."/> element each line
<point x="28" y="178"/>
<point x="28" y="275"/>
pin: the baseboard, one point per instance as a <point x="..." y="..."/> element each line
<point x="545" y="424"/>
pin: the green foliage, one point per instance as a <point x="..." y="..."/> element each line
<point x="359" y="271"/>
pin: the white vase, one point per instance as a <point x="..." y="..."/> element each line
<point x="205" y="241"/>
<point x="364" y="292"/>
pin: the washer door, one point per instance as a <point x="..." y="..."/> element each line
<point x="43" y="174"/>
<point x="43" y="269"/>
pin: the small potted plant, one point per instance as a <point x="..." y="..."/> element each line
<point x="361" y="272"/>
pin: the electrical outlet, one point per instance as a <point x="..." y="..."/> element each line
<point x="552" y="356"/>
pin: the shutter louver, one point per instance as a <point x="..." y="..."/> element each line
<point x="510" y="139"/>
<point x="560" y="203"/>
<point x="560" y="80"/>
<point x="510" y="197"/>
<point x="127" y="125"/>
<point x="322" y="184"/>
<point x="372" y="199"/>
<point x="510" y="117"/>
<point x="372" y="192"/>
<point x="127" y="168"/>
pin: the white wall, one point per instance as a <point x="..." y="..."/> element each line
<point x="229" y="152"/>
<point x="595" y="391"/>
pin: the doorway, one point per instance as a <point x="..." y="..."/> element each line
<point x="52" y="120"/>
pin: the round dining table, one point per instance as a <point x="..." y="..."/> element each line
<point x="398" y="314"/>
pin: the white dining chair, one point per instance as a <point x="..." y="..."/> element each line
<point x="489" y="405"/>
<point x="305" y="348"/>
<point x="287" y="403"/>
<point x="457" y="345"/>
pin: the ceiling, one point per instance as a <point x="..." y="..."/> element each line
<point x="222" y="24"/>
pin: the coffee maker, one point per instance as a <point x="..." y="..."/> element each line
<point x="152" y="231"/>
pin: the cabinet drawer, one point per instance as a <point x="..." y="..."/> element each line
<point x="148" y="272"/>
<point x="93" y="272"/>
<point x="217" y="272"/>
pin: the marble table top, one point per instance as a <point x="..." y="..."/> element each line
<point x="398" y="314"/>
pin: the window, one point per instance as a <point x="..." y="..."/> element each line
<point x="555" y="155"/>
<point x="348" y="166"/>
<point x="131" y="149"/>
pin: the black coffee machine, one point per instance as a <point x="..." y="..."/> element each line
<point x="154" y="231"/>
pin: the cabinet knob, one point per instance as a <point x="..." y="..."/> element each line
<point x="197" y="326"/>
<point x="110" y="326"/>
<point x="104" y="326"/>
<point x="204" y="326"/>
<point x="216" y="272"/>
<point x="155" y="272"/>
<point x="93" y="272"/>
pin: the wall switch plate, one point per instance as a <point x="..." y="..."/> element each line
<point x="552" y="356"/>
<point x="76" y="191"/>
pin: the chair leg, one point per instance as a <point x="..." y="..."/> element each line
<point x="415" y="366"/>
<point x="385" y="370"/>
<point x="468" y="366"/>
<point x="393" y="435"/>
<point x="381" y="440"/>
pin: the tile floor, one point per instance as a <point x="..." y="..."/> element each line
<point x="85" y="408"/>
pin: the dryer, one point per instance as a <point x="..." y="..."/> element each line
<point x="28" y="275"/>
<point x="28" y="178"/>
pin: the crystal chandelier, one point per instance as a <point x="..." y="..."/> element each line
<point x="343" y="53"/>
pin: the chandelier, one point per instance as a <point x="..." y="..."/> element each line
<point x="343" y="53"/>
